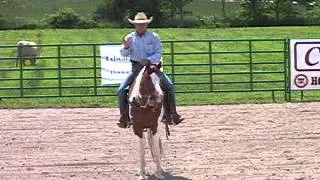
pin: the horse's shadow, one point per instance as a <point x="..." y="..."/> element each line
<point x="168" y="176"/>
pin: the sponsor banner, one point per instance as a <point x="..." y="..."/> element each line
<point x="114" y="67"/>
<point x="305" y="64"/>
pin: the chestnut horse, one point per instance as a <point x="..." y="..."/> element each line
<point x="146" y="98"/>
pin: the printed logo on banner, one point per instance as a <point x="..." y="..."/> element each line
<point x="305" y="64"/>
<point x="301" y="81"/>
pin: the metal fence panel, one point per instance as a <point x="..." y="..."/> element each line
<point x="195" y="66"/>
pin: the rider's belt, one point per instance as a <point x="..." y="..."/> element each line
<point x="133" y="61"/>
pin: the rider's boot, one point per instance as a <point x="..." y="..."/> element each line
<point x="170" y="112"/>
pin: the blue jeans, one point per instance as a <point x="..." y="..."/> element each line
<point x="123" y="90"/>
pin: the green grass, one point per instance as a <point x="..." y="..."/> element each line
<point x="114" y="35"/>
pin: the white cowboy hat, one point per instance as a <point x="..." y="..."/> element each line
<point x="140" y="18"/>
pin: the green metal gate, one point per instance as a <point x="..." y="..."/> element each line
<point x="195" y="66"/>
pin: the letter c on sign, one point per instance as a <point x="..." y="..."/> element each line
<point x="307" y="57"/>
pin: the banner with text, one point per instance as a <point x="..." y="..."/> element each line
<point x="305" y="64"/>
<point x="114" y="67"/>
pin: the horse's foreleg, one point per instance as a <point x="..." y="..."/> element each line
<point x="142" y="171"/>
<point x="156" y="155"/>
<point x="150" y="142"/>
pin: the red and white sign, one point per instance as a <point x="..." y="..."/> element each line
<point x="305" y="64"/>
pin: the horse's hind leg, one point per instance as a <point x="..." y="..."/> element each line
<point x="33" y="61"/>
<point x="155" y="151"/>
<point x="142" y="171"/>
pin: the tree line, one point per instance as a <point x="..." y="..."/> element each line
<point x="171" y="13"/>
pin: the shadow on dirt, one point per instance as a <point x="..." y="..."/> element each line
<point x="168" y="176"/>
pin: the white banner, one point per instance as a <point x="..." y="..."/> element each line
<point x="305" y="64"/>
<point x="114" y="67"/>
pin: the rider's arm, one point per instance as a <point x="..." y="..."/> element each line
<point x="156" y="56"/>
<point x="125" y="51"/>
<point x="126" y="48"/>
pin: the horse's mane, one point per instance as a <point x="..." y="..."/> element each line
<point x="134" y="90"/>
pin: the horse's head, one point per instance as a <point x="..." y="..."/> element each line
<point x="152" y="68"/>
<point x="150" y="87"/>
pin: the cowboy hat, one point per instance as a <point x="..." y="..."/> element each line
<point x="140" y="18"/>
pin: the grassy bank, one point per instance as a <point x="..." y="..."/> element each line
<point x="114" y="35"/>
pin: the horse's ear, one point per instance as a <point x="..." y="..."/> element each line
<point x="149" y="69"/>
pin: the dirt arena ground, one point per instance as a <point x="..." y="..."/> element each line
<point x="269" y="142"/>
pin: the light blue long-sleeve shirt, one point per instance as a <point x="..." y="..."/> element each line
<point x="147" y="46"/>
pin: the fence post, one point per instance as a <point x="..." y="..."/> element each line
<point x="59" y="71"/>
<point x="250" y="64"/>
<point x="210" y="66"/>
<point x="95" y="68"/>
<point x="172" y="61"/>
<point x="289" y="71"/>
<point x="301" y="95"/>
<point x="285" y="66"/>
<point x="21" y="76"/>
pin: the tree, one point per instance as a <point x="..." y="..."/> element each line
<point x="179" y="5"/>
<point x="253" y="11"/>
<point x="110" y="10"/>
<point x="64" y="18"/>
<point x="6" y="5"/>
<point x="3" y="22"/>
<point x="313" y="14"/>
<point x="152" y="8"/>
<point x="119" y="10"/>
<point x="14" y="3"/>
<point x="309" y="4"/>
<point x="223" y="3"/>
<point x="283" y="9"/>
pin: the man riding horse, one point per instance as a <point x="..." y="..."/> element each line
<point x="144" y="47"/>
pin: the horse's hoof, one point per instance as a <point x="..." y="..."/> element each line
<point x="142" y="177"/>
<point x="159" y="174"/>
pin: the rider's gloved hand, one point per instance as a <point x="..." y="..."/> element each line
<point x="127" y="41"/>
<point x="144" y="62"/>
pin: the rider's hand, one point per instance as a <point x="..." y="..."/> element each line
<point x="144" y="62"/>
<point x="127" y="41"/>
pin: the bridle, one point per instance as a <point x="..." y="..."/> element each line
<point x="148" y="90"/>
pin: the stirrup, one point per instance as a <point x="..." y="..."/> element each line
<point x="177" y="119"/>
<point x="124" y="124"/>
<point x="164" y="119"/>
<point x="174" y="119"/>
